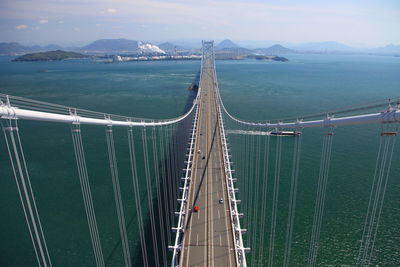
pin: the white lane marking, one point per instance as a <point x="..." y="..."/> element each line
<point x="217" y="194"/>
<point x="220" y="241"/>
<point x="197" y="240"/>
<point x="219" y="215"/>
<point x="198" y="215"/>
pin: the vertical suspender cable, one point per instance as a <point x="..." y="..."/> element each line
<point x="255" y="201"/>
<point x="250" y="190"/>
<point x="136" y="192"/>
<point x="150" y="196"/>
<point x="264" y="200"/>
<point x="175" y="153"/>
<point x="383" y="165"/>
<point x="157" y="180"/>
<point x="323" y="196"/>
<point x="117" y="194"/>
<point x="361" y="250"/>
<point x="382" y="200"/>
<point x="275" y="200"/>
<point x="317" y="203"/>
<point x="292" y="198"/>
<point x="246" y="181"/>
<point x="172" y="196"/>
<point x="164" y="182"/>
<point x="172" y="166"/>
<point x="321" y="193"/>
<point x="22" y="179"/>
<point x="86" y="193"/>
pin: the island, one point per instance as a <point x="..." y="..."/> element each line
<point x="221" y="56"/>
<point x="50" y="55"/>
<point x="274" y="58"/>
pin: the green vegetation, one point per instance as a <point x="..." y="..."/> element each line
<point x="50" y="55"/>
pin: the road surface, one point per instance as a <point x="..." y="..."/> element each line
<point x="208" y="234"/>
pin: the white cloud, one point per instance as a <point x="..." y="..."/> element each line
<point x="77" y="29"/>
<point x="21" y="27"/>
<point x="99" y="24"/>
<point x="111" y="10"/>
<point x="43" y="21"/>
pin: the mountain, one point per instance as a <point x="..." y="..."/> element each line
<point x="112" y="45"/>
<point x="13" y="48"/>
<point x="323" y="47"/>
<point x="51" y="47"/>
<point x="226" y="44"/>
<point x="167" y="46"/>
<point x="121" y="46"/>
<point x="274" y="50"/>
<point x="389" y="49"/>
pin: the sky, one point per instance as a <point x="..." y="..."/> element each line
<point x="358" y="23"/>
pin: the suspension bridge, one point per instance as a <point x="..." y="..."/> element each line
<point x="194" y="215"/>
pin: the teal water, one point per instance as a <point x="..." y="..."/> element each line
<point x="250" y="89"/>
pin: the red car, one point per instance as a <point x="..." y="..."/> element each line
<point x="196" y="208"/>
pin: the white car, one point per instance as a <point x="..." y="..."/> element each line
<point x="221" y="201"/>
<point x="199" y="151"/>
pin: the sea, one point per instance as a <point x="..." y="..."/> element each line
<point x="252" y="90"/>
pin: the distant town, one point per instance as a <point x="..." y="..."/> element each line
<point x="122" y="50"/>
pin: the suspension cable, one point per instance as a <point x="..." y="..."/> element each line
<point x="250" y="189"/>
<point x="275" y="200"/>
<point x="86" y="193"/>
<point x="164" y="181"/>
<point x="136" y="192"/>
<point x="374" y="211"/>
<point x="157" y="178"/>
<point x="255" y="201"/>
<point x="150" y="195"/>
<point x="246" y="183"/>
<point x="117" y="194"/>
<point x="22" y="179"/>
<point x="264" y="200"/>
<point x="292" y="198"/>
<point x="321" y="193"/>
<point x="172" y="195"/>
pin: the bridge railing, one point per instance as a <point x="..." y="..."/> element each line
<point x="184" y="207"/>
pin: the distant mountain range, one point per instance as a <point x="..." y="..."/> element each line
<point x="112" y="45"/>
<point x="170" y="48"/>
<point x="125" y="46"/>
<point x="274" y="50"/>
<point x="226" y="44"/>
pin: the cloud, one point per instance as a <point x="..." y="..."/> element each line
<point x="77" y="29"/>
<point x="21" y="27"/>
<point x="99" y="24"/>
<point x="43" y="21"/>
<point x="111" y="10"/>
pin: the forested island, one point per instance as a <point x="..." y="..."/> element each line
<point x="50" y="55"/>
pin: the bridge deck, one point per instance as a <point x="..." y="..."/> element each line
<point x="208" y="234"/>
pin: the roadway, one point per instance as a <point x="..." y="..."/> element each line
<point x="208" y="234"/>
